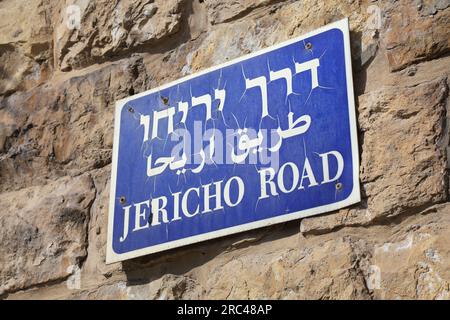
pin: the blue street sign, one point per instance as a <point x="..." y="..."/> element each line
<point x="259" y="140"/>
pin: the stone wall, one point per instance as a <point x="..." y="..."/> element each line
<point x="58" y="84"/>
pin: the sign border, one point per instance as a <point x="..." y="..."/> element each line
<point x="354" y="197"/>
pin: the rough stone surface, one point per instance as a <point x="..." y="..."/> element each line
<point x="260" y="29"/>
<point x="63" y="128"/>
<point x="403" y="165"/>
<point x="224" y="10"/>
<point x="111" y="28"/>
<point x="25" y="44"/>
<point x="415" y="31"/>
<point x="44" y="233"/>
<point x="60" y="77"/>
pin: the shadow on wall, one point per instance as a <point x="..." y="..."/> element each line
<point x="180" y="261"/>
<point x="360" y="62"/>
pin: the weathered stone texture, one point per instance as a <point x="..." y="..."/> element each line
<point x="405" y="261"/>
<point x="110" y="28"/>
<point x="58" y="85"/>
<point x="25" y="44"/>
<point x="403" y="166"/>
<point x="63" y="128"/>
<point x="44" y="232"/>
<point x="223" y="10"/>
<point x="286" y="20"/>
<point x="95" y="269"/>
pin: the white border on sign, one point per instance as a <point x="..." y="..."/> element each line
<point x="354" y="197"/>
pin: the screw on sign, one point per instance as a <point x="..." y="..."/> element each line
<point x="266" y="138"/>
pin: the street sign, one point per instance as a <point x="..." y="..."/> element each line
<point x="263" y="139"/>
